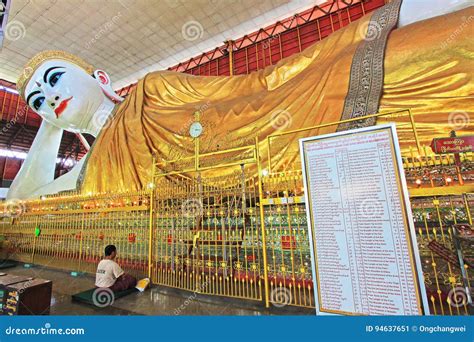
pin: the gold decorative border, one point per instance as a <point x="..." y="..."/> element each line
<point x="367" y="74"/>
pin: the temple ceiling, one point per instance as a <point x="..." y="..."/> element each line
<point x="129" y="38"/>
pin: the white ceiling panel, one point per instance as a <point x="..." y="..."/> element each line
<point x="129" y="38"/>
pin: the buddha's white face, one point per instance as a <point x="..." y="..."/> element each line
<point x="64" y="94"/>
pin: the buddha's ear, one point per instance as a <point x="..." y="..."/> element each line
<point x="106" y="85"/>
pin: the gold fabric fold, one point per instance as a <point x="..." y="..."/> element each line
<point x="428" y="68"/>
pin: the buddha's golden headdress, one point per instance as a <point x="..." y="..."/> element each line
<point x="38" y="59"/>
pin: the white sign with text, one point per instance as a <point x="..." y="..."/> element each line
<point x="364" y="251"/>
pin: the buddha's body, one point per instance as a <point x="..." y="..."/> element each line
<point x="419" y="73"/>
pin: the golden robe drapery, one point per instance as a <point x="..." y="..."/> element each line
<point x="428" y="68"/>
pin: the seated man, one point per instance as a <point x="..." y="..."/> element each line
<point x="110" y="274"/>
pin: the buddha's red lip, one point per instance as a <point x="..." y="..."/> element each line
<point x="62" y="106"/>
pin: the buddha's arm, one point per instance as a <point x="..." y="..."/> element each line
<point x="65" y="182"/>
<point x="39" y="165"/>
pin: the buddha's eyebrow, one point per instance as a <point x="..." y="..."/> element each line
<point x="45" y="77"/>
<point x="32" y="94"/>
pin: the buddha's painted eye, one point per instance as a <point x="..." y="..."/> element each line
<point x="38" y="102"/>
<point x="55" y="78"/>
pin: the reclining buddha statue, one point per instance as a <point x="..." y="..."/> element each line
<point x="402" y="55"/>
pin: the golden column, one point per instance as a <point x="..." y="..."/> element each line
<point x="230" y="49"/>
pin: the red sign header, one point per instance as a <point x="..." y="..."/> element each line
<point x="453" y="145"/>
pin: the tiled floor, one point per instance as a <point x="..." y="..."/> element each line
<point x="154" y="301"/>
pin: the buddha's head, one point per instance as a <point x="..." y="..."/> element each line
<point x="64" y="89"/>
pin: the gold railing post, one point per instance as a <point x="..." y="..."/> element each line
<point x="197" y="118"/>
<point x="150" y="227"/>
<point x="81" y="237"/>
<point x="269" y="154"/>
<point x="196" y="154"/>
<point x="34" y="242"/>
<point x="262" y="224"/>
<point x="230" y="48"/>
<point x="468" y="210"/>
<point x="34" y="250"/>
<point x="415" y="133"/>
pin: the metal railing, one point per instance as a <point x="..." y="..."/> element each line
<point x="242" y="235"/>
<point x="70" y="232"/>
